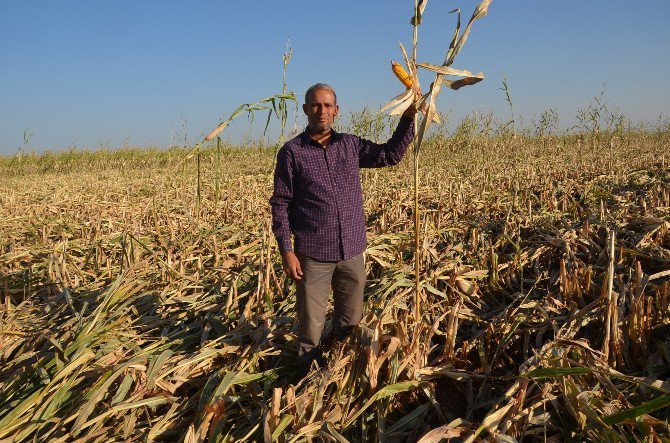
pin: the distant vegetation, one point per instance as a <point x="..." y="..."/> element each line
<point x="594" y="122"/>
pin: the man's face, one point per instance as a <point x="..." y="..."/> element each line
<point x="321" y="111"/>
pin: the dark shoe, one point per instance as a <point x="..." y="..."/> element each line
<point x="341" y="333"/>
<point x="337" y="336"/>
<point x="305" y="363"/>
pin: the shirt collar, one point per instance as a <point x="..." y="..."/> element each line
<point x="307" y="139"/>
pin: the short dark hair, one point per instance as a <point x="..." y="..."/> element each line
<point x="310" y="92"/>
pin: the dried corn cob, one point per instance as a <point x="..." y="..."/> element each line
<point x="406" y="80"/>
<point x="402" y="75"/>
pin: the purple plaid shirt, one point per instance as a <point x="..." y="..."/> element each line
<point x="317" y="192"/>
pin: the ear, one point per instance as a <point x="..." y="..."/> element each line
<point x="337" y="110"/>
<point x="304" y="108"/>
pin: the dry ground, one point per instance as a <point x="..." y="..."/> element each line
<point x="134" y="310"/>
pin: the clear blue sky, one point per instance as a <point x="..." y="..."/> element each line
<point x="91" y="73"/>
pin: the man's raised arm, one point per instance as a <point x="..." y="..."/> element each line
<point x="377" y="155"/>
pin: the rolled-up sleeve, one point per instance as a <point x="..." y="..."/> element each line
<point x="377" y="155"/>
<point x="281" y="200"/>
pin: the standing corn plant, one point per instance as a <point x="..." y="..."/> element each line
<point x="276" y="105"/>
<point x="427" y="103"/>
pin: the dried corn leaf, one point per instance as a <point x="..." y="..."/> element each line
<point x="479" y="12"/>
<point x="398" y="110"/>
<point x="458" y="84"/>
<point x="457" y="30"/>
<point x="217" y="130"/>
<point x="438" y="434"/>
<point x="410" y="65"/>
<point x="428" y="116"/>
<point x="330" y="433"/>
<point x="446" y="70"/>
<point x="405" y="99"/>
<point x="491" y="421"/>
<point x="418" y="13"/>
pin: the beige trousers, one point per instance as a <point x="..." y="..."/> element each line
<point x="347" y="281"/>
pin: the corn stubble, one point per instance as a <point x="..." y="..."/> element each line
<point x="126" y="317"/>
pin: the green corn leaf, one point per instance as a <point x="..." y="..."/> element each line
<point x="632" y="413"/>
<point x="556" y="372"/>
<point x="155" y="367"/>
<point x="386" y="391"/>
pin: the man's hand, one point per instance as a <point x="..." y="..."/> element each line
<point x="411" y="111"/>
<point x="291" y="265"/>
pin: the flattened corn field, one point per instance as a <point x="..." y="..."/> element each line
<point x="131" y="311"/>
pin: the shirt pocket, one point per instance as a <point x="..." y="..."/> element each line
<point x="348" y="170"/>
<point x="313" y="177"/>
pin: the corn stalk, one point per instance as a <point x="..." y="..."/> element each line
<point x="418" y="10"/>
<point x="427" y="104"/>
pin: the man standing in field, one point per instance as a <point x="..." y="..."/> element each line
<point x="318" y="198"/>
